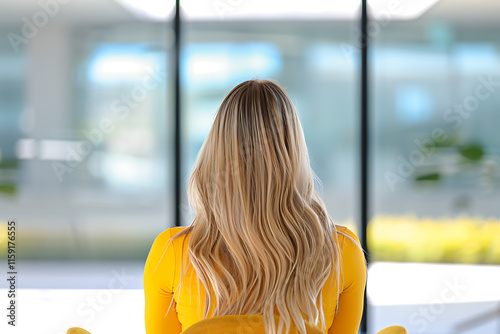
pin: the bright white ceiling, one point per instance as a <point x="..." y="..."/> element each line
<point x="102" y="11"/>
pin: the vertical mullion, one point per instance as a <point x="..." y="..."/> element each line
<point x="177" y="115"/>
<point x="364" y="138"/>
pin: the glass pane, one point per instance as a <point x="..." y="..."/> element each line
<point x="310" y="60"/>
<point x="436" y="176"/>
<point x="85" y="133"/>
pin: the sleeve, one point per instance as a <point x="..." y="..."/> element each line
<point x="351" y="298"/>
<point x="160" y="307"/>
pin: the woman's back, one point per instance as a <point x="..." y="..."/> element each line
<point x="262" y="241"/>
<point x="162" y="276"/>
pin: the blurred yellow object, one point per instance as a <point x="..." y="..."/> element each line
<point x="254" y="324"/>
<point x="77" y="330"/>
<point x="250" y="324"/>
<point x="448" y="240"/>
<point x="393" y="330"/>
<point x="3" y="237"/>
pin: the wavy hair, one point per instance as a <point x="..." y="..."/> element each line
<point x="262" y="240"/>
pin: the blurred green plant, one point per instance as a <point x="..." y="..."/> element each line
<point x="8" y="189"/>
<point x="8" y="184"/>
<point x="473" y="152"/>
<point x="454" y="158"/>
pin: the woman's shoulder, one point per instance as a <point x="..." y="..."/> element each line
<point x="171" y="232"/>
<point x="347" y="235"/>
<point x="166" y="237"/>
<point x="176" y="229"/>
<point x="162" y="258"/>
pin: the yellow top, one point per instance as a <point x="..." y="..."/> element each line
<point x="161" y="276"/>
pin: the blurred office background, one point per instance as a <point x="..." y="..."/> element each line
<point x="87" y="135"/>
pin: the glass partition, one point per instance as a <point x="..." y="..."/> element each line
<point x="309" y="59"/>
<point x="86" y="137"/>
<point x="435" y="92"/>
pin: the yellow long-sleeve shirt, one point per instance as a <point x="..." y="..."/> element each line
<point x="162" y="275"/>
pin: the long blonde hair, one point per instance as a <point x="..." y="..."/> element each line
<point x="262" y="240"/>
